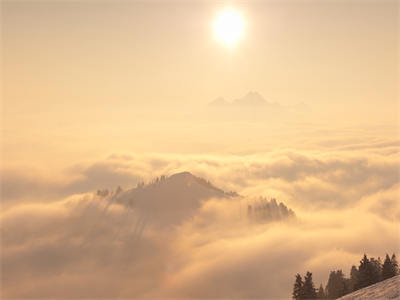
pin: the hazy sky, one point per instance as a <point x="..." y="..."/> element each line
<point x="70" y="54"/>
<point x="82" y="72"/>
<point x="97" y="94"/>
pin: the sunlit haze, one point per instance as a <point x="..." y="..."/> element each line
<point x="228" y="27"/>
<point x="198" y="149"/>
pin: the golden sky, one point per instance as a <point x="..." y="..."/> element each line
<point x="97" y="94"/>
<point x="105" y="53"/>
<point x="89" y="70"/>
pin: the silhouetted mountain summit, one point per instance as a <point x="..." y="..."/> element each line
<point x="167" y="200"/>
<point x="171" y="198"/>
<point x="188" y="178"/>
<point x="219" y="102"/>
<point x="251" y="99"/>
<point x="253" y="106"/>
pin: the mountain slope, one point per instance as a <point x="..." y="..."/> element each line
<point x="387" y="289"/>
<point x="170" y="199"/>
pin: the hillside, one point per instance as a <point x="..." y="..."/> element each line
<point x="387" y="289"/>
<point x="168" y="200"/>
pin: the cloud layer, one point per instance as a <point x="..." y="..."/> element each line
<point x="61" y="240"/>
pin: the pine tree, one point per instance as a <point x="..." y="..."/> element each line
<point x="347" y="285"/>
<point x="365" y="271"/>
<point x="321" y="292"/>
<point x="353" y="278"/>
<point x="309" y="289"/>
<point x="395" y="265"/>
<point x="387" y="268"/>
<point x="298" y="288"/>
<point x="336" y="286"/>
<point x="376" y="270"/>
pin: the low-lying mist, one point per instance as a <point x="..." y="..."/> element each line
<point x="61" y="239"/>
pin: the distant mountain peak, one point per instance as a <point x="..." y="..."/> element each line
<point x="251" y="99"/>
<point x="254" y="95"/>
<point x="219" y="102"/>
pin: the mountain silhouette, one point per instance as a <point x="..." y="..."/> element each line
<point x="219" y="102"/>
<point x="170" y="199"/>
<point x="250" y="100"/>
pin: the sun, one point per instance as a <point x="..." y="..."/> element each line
<point x="228" y="27"/>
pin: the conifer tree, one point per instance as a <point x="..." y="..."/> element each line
<point x="370" y="271"/>
<point x="376" y="270"/>
<point x="298" y="288"/>
<point x="336" y="286"/>
<point x="321" y="292"/>
<point x="365" y="277"/>
<point x="395" y="265"/>
<point x="309" y="289"/>
<point x="387" y="268"/>
<point x="353" y="278"/>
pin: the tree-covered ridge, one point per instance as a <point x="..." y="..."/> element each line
<point x="164" y="179"/>
<point x="264" y="210"/>
<point x="164" y="191"/>
<point x="369" y="271"/>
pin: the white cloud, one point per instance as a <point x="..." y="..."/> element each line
<point x="57" y="242"/>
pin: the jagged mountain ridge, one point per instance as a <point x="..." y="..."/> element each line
<point x="255" y="108"/>
<point x="251" y="99"/>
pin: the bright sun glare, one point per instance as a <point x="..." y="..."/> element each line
<point x="228" y="27"/>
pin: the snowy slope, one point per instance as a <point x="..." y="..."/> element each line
<point x="387" y="289"/>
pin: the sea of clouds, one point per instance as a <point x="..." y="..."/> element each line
<point x="61" y="240"/>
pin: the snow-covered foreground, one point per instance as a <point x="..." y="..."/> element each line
<point x="387" y="289"/>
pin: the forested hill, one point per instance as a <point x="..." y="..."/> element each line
<point x="169" y="200"/>
<point x="369" y="272"/>
<point x="387" y="289"/>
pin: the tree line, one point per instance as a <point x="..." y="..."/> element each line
<point x="264" y="210"/>
<point x="369" y="271"/>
